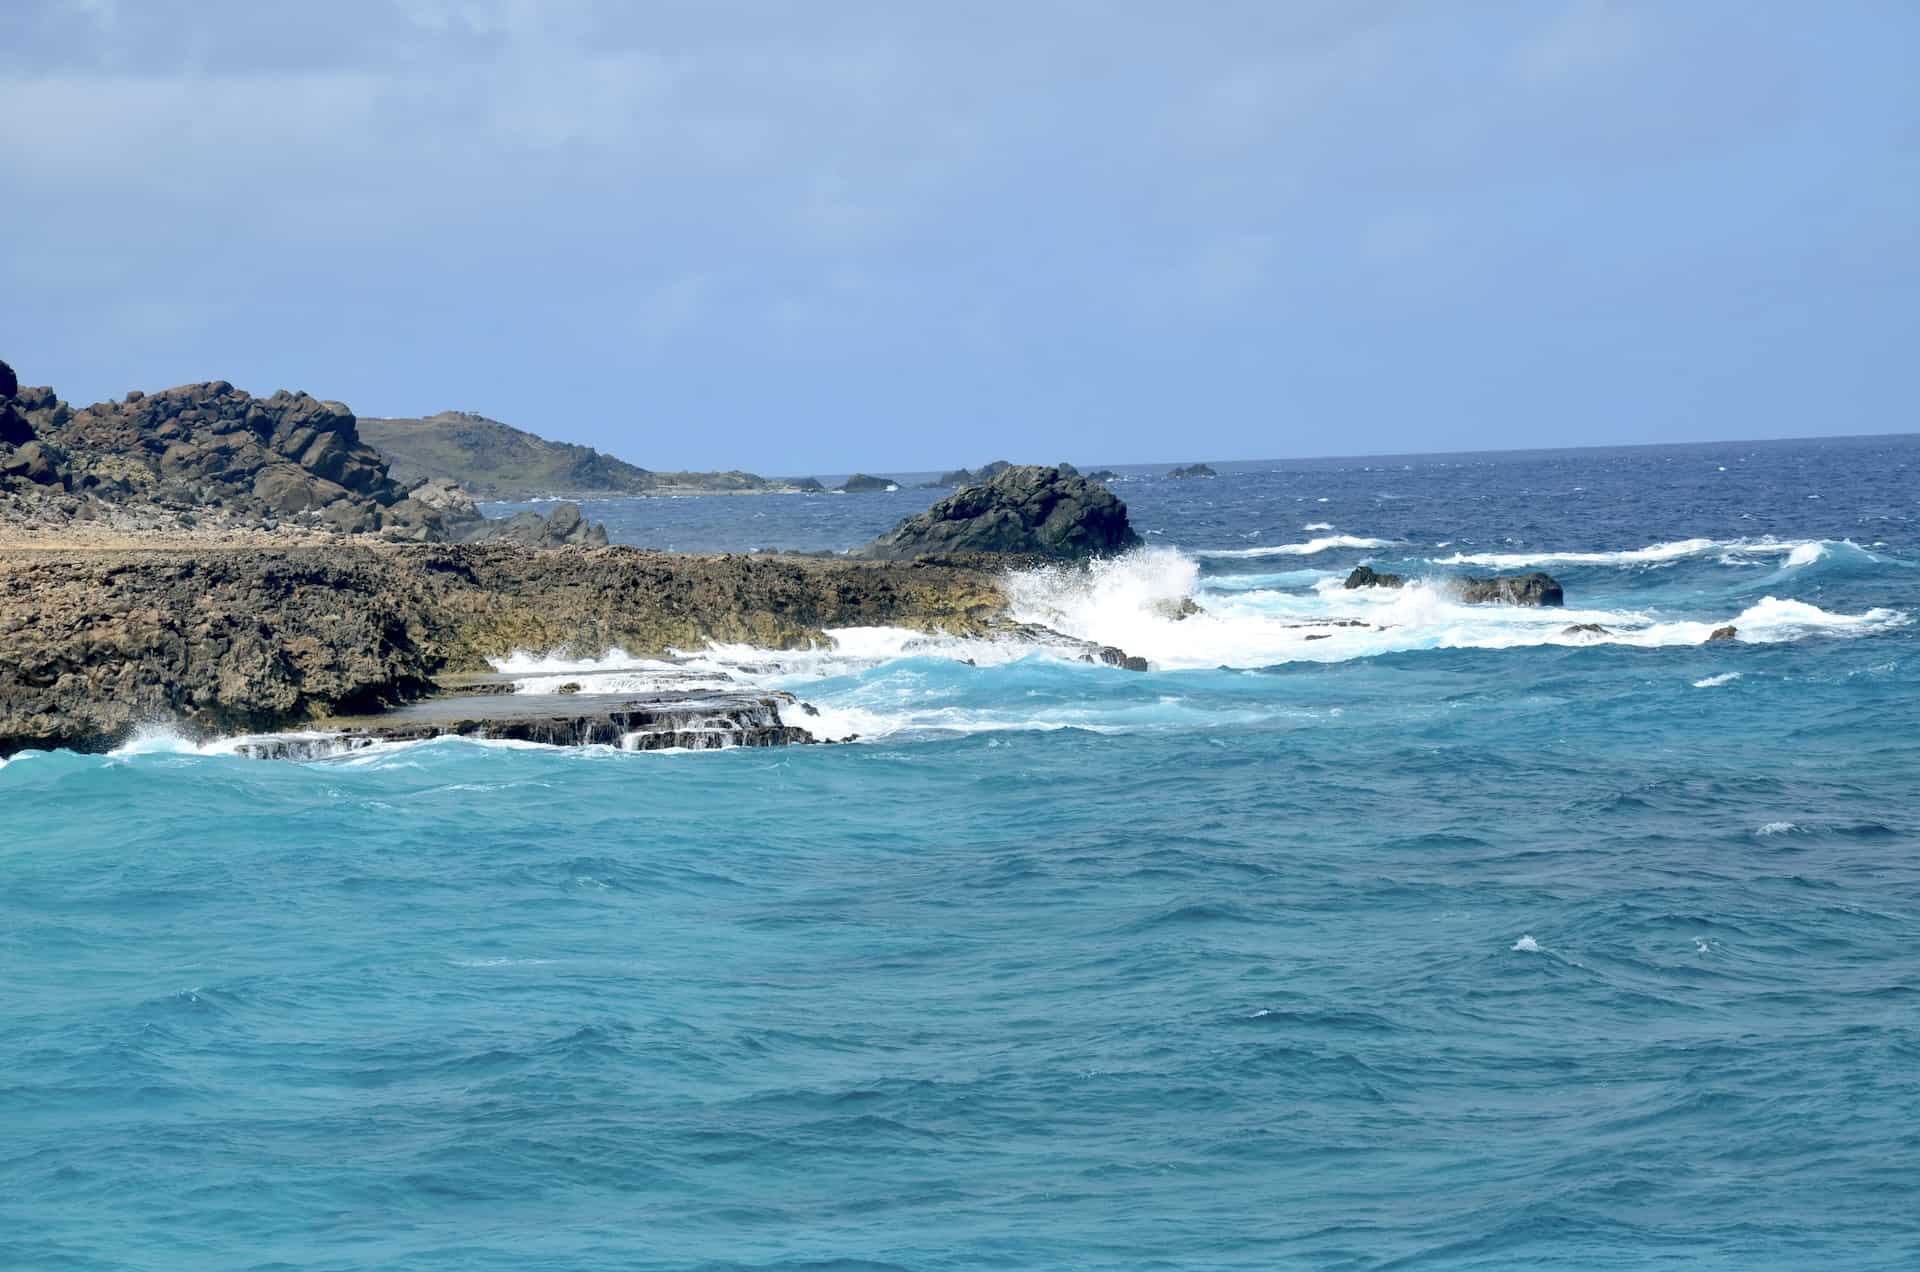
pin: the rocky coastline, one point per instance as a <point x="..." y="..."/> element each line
<point x="217" y="640"/>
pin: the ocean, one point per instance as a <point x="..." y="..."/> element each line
<point x="1455" y="939"/>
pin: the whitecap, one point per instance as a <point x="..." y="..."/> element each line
<point x="1527" y="945"/>
<point x="1311" y="526"/>
<point x="1310" y="548"/>
<point x="1777" y="828"/>
<point x="1714" y="682"/>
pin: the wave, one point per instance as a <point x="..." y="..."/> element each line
<point x="1310" y="548"/>
<point x="1714" y="682"/>
<point x="1728" y="551"/>
<point x="1127" y="602"/>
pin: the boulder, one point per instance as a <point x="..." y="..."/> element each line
<point x="1723" y="633"/>
<point x="1027" y="510"/>
<point x="565" y="528"/>
<point x="38" y="463"/>
<point x="1193" y="470"/>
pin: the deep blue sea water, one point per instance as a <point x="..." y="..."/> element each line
<point x="1454" y="940"/>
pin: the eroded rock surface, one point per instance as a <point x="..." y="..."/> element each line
<point x="229" y="640"/>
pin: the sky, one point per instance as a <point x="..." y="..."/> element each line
<point x="903" y="235"/>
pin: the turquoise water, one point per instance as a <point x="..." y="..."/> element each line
<point x="1453" y="941"/>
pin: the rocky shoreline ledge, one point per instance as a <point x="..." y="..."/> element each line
<point x="215" y="641"/>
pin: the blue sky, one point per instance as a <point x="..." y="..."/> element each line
<point x="894" y="236"/>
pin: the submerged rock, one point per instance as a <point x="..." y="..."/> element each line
<point x="1537" y="588"/>
<point x="1586" y="629"/>
<point x="1723" y="633"/>
<point x="1027" y="510"/>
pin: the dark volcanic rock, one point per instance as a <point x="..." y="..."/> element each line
<point x="1103" y="474"/>
<point x="703" y="721"/>
<point x="1193" y="470"/>
<point x="1517" y="589"/>
<point x="1586" y="629"/>
<point x="866" y="484"/>
<point x="9" y="382"/>
<point x="1723" y="633"/>
<point x="1367" y="576"/>
<point x="1536" y="588"/>
<point x="1027" y="510"/>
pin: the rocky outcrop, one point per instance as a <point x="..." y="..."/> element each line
<point x="704" y="721"/>
<point x="1367" y="576"/>
<point x="1586" y="629"/>
<point x="1536" y="588"/>
<point x="1193" y="470"/>
<point x="1025" y="510"/>
<point x="215" y="456"/>
<point x="866" y="484"/>
<point x="227" y="640"/>
<point x="564" y="527"/>
<point x="1728" y="632"/>
<point x="1103" y="474"/>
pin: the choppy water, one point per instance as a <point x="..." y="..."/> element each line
<point x="1452" y="940"/>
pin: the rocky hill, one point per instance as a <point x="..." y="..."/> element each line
<point x="212" y="456"/>
<point x="498" y="461"/>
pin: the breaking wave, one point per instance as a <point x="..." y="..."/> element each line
<point x="1312" y="547"/>
<point x="1727" y="552"/>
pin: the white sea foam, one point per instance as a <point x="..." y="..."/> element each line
<point x="1311" y="526"/>
<point x="1777" y="828"/>
<point x="1714" y="682"/>
<point x="1127" y="602"/>
<point x="1310" y="548"/>
<point x="1527" y="945"/>
<point x="1728" y="552"/>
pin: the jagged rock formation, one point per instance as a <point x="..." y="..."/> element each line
<point x="1537" y="588"/>
<point x="212" y="454"/>
<point x="1026" y="510"/>
<point x="499" y="461"/>
<point x="228" y="640"/>
<point x="1193" y="470"/>
<point x="867" y="484"/>
<point x="973" y="477"/>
